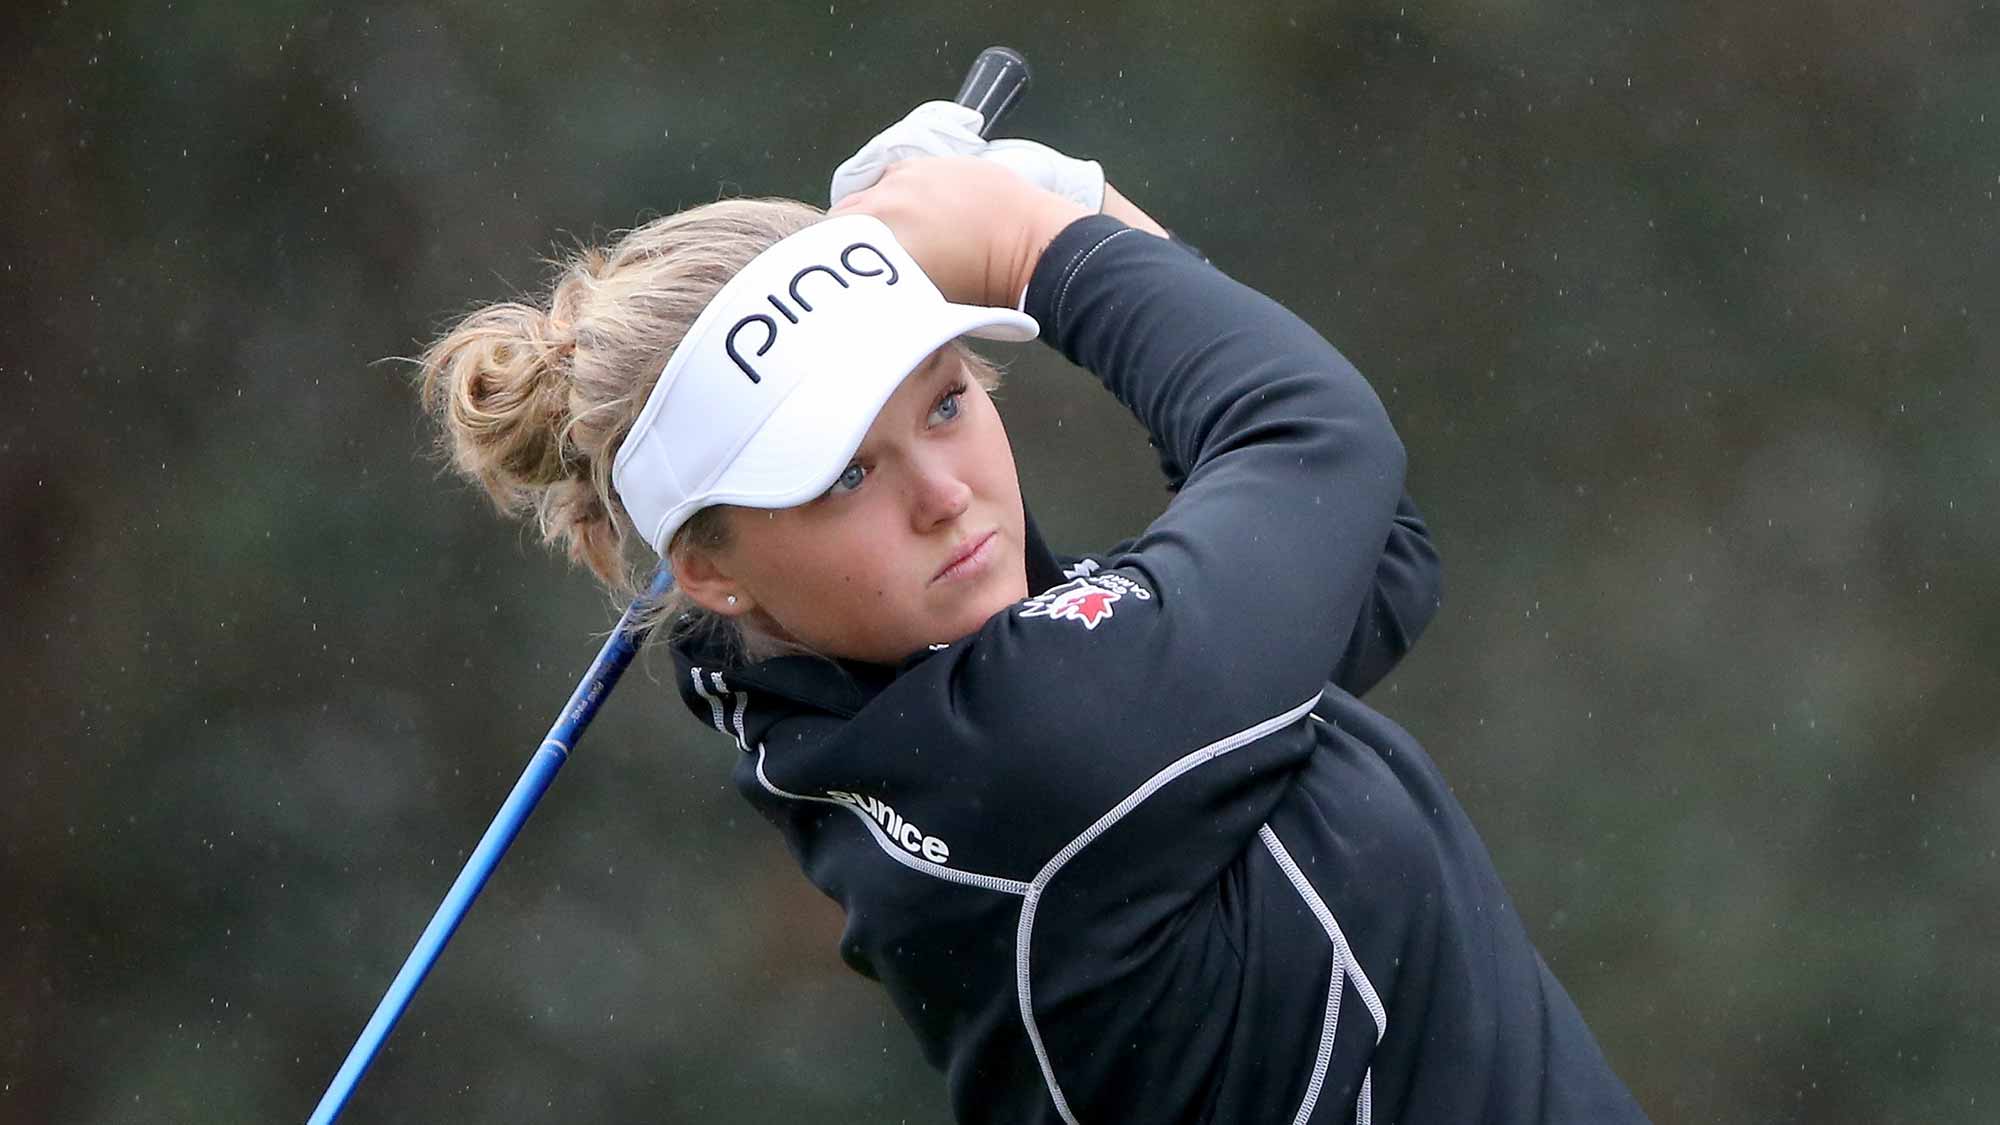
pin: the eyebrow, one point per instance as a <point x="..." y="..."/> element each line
<point x="934" y="363"/>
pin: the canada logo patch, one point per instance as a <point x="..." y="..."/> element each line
<point x="1088" y="600"/>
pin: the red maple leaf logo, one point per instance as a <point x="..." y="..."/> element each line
<point x="1088" y="605"/>
<point x="1080" y="601"/>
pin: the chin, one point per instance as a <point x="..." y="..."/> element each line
<point x="967" y="621"/>
<point x="1000" y="604"/>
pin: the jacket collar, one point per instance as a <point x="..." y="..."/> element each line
<point x="830" y="686"/>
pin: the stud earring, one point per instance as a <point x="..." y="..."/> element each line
<point x="731" y="599"/>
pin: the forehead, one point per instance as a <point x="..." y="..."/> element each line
<point x="934" y="362"/>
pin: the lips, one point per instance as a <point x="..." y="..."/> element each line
<point x="972" y="549"/>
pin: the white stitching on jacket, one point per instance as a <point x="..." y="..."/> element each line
<point x="1329" y="1026"/>
<point x="1345" y="965"/>
<point x="714" y="704"/>
<point x="1333" y="932"/>
<point x="742" y="705"/>
<point x="1025" y="932"/>
<point x="1063" y="293"/>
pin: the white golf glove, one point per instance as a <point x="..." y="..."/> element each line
<point x="949" y="129"/>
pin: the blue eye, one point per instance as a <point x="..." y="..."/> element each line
<point x="849" y="479"/>
<point x="948" y="407"/>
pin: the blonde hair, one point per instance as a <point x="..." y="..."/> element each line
<point x="533" y="397"/>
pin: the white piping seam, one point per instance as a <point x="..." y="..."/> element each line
<point x="742" y="702"/>
<point x="1329" y="1026"/>
<point x="742" y="705"/>
<point x="1062" y="294"/>
<point x="1025" y="931"/>
<point x="714" y="704"/>
<point x="1344" y="960"/>
<point x="1333" y="932"/>
<point x="895" y="850"/>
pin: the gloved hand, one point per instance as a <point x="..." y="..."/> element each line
<point x="948" y="129"/>
<point x="976" y="229"/>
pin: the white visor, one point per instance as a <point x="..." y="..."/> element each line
<point x="766" y="400"/>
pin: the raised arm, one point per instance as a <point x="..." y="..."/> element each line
<point x="1408" y="578"/>
<point x="1269" y="553"/>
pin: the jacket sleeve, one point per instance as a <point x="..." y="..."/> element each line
<point x="1276" y="538"/>
<point x="1409" y="583"/>
<point x="1408" y="587"/>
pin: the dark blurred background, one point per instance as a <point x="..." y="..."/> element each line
<point x="1684" y="311"/>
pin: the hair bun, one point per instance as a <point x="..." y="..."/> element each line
<point x="499" y="386"/>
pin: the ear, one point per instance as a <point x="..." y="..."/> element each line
<point x="703" y="579"/>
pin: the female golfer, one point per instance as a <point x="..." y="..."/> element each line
<point x="1115" y="831"/>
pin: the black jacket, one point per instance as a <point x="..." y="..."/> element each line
<point x="1126" y="854"/>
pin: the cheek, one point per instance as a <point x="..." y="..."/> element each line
<point x="845" y="561"/>
<point x="854" y="574"/>
<point x="995" y="461"/>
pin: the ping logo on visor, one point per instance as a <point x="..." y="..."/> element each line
<point x="883" y="266"/>
<point x="777" y="381"/>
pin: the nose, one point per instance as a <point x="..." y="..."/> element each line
<point x="939" y="493"/>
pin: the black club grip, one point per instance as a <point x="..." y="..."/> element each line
<point x="994" y="85"/>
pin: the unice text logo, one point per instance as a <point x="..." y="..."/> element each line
<point x="848" y="268"/>
<point x="913" y="839"/>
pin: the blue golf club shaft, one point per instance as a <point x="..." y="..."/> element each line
<point x="549" y="757"/>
